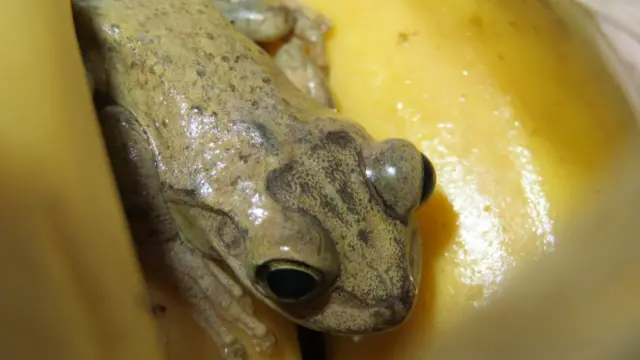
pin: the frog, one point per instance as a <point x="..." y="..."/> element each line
<point x="248" y="186"/>
<point x="302" y="56"/>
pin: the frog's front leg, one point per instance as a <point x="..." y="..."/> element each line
<point x="212" y="295"/>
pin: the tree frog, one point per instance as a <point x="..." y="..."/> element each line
<point x="232" y="164"/>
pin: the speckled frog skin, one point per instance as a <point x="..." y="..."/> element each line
<point x="234" y="164"/>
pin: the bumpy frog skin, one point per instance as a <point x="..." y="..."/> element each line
<point x="230" y="162"/>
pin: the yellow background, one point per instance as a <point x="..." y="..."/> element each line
<point x="517" y="118"/>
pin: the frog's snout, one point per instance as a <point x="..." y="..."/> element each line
<point x="348" y="316"/>
<point x="397" y="310"/>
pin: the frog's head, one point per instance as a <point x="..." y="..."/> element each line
<point x="318" y="224"/>
<point x="339" y="251"/>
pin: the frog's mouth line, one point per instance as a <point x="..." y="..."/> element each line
<point x="340" y="304"/>
<point x="342" y="314"/>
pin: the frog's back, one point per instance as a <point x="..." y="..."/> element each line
<point x="171" y="62"/>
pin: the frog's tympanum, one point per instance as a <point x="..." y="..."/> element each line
<point x="233" y="163"/>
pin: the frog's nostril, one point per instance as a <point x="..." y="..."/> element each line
<point x="396" y="310"/>
<point x="396" y="314"/>
<point x="428" y="179"/>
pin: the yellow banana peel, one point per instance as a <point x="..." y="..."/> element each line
<point x="70" y="284"/>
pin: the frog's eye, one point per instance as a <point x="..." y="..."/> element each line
<point x="288" y="280"/>
<point x="402" y="177"/>
<point x="428" y="179"/>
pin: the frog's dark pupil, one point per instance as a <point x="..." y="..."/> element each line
<point x="290" y="284"/>
<point x="428" y="179"/>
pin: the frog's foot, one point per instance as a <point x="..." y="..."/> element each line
<point x="217" y="300"/>
<point x="303" y="58"/>
<point x="303" y="72"/>
<point x="257" y="20"/>
<point x="311" y="27"/>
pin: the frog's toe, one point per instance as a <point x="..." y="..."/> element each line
<point x="261" y="23"/>
<point x="265" y="344"/>
<point x="235" y="351"/>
